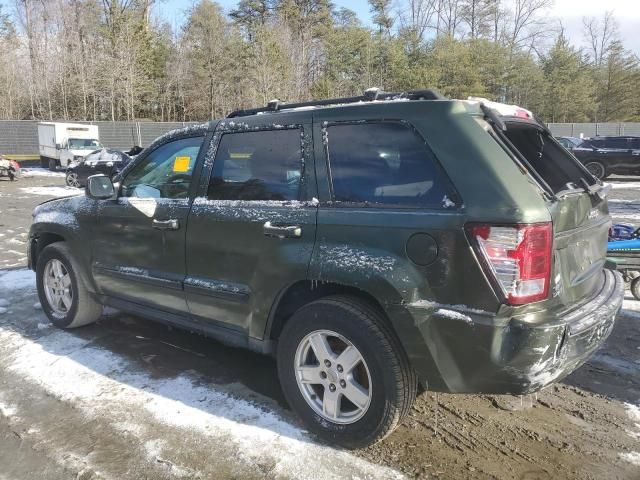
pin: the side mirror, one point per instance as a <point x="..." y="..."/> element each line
<point x="58" y="146"/>
<point x="100" y="187"/>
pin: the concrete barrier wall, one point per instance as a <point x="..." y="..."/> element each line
<point x="586" y="130"/>
<point x="20" y="137"/>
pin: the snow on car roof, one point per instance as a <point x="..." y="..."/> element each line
<point x="503" y="109"/>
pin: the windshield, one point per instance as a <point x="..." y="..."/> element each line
<point x="83" y="144"/>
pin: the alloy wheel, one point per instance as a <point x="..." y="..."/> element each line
<point x="57" y="287"/>
<point x="596" y="169"/>
<point x="72" y="180"/>
<point x="333" y="377"/>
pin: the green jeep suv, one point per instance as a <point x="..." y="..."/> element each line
<point x="376" y="245"/>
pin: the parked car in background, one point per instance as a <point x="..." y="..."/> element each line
<point x="106" y="161"/>
<point x="61" y="144"/>
<point x="604" y="156"/>
<point x="347" y="238"/>
<point x="569" y="142"/>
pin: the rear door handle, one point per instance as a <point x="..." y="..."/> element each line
<point x="172" y="224"/>
<point x="282" y="231"/>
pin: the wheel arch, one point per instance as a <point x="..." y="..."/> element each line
<point x="43" y="235"/>
<point x="300" y="293"/>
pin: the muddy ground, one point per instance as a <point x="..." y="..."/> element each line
<point x="130" y="399"/>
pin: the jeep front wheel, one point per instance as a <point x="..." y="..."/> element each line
<point x="63" y="296"/>
<point x="344" y="372"/>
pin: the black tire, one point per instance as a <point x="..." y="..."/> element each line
<point x="393" y="381"/>
<point x="53" y="165"/>
<point x="597" y="169"/>
<point x="12" y="176"/>
<point x="634" y="287"/>
<point x="84" y="309"/>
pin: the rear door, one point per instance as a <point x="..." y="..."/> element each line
<point x="252" y="228"/>
<point x="390" y="220"/>
<point x="579" y="213"/>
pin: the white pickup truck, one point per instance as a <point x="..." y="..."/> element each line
<point x="61" y="144"/>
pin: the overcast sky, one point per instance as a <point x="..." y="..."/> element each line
<point x="570" y="12"/>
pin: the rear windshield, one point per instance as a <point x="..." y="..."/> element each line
<point x="550" y="161"/>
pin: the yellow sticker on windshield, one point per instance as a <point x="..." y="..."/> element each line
<point x="181" y="164"/>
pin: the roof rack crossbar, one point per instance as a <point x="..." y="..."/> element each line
<point x="370" y="95"/>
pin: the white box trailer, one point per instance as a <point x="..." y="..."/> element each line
<point x="60" y="144"/>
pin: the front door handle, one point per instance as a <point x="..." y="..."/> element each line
<point x="282" y="231"/>
<point x="172" y="224"/>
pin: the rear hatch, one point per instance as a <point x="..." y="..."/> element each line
<point x="576" y="202"/>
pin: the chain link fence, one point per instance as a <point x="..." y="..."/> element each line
<point x="20" y="137"/>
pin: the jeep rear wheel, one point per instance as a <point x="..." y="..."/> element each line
<point x="344" y="372"/>
<point x="63" y="296"/>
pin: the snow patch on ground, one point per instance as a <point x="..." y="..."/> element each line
<point x="17" y="279"/>
<point x="104" y="384"/>
<point x="625" y="185"/>
<point x="7" y="410"/>
<point x="633" y="411"/>
<point x="52" y="191"/>
<point x="631" y="457"/>
<point x="40" y="172"/>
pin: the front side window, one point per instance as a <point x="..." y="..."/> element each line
<point x="164" y="173"/>
<point x="384" y="163"/>
<point x="262" y="165"/>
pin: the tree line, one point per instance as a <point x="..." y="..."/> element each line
<point x="117" y="60"/>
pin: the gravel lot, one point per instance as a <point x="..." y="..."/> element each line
<point x="129" y="399"/>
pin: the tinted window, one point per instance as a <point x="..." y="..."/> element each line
<point x="165" y="172"/>
<point x="617" y="143"/>
<point x="635" y="143"/>
<point x="265" y="165"/>
<point x="384" y="163"/>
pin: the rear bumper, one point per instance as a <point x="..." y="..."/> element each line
<point x="476" y="352"/>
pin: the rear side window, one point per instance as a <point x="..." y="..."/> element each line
<point x="618" y="143"/>
<point x="385" y="163"/>
<point x="263" y="165"/>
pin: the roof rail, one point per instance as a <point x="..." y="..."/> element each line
<point x="370" y="95"/>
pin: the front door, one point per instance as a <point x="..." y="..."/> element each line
<point x="139" y="241"/>
<point x="251" y="230"/>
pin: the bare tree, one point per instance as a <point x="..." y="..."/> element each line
<point x="416" y="17"/>
<point x="527" y="21"/>
<point x="600" y="34"/>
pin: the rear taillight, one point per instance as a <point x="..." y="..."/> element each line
<point x="518" y="258"/>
